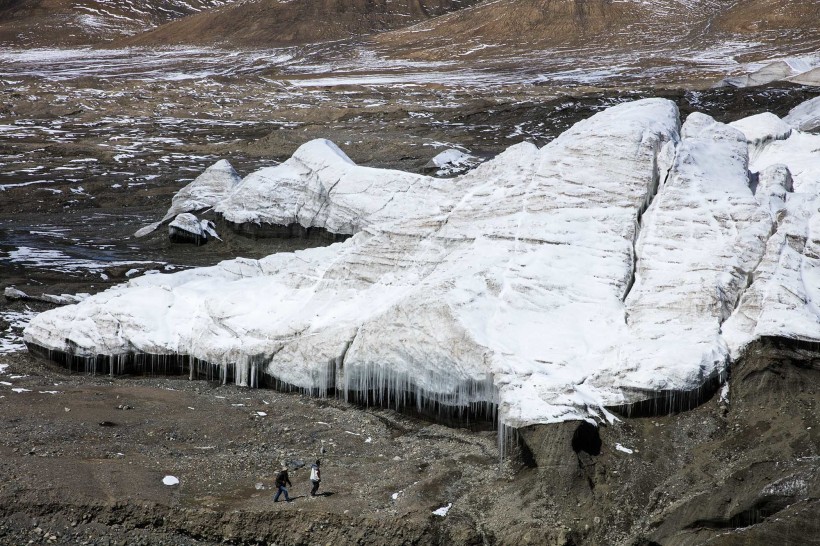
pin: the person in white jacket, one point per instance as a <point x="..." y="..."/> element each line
<point x="315" y="477"/>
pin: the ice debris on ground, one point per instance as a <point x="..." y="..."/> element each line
<point x="724" y="394"/>
<point x="443" y="510"/>
<point x="170" y="480"/>
<point x="451" y="162"/>
<point x="627" y="257"/>
<point x="11" y="337"/>
<point x="12" y="293"/>
<point x="626" y="450"/>
<point x="188" y="228"/>
<point x="319" y="186"/>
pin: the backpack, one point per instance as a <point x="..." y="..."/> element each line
<point x="314" y="473"/>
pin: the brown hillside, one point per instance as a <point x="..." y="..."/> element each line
<point x="508" y="27"/>
<point x="511" y="25"/>
<point x="755" y="16"/>
<point x="38" y="23"/>
<point x="270" y="23"/>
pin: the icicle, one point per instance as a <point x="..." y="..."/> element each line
<point x="506" y="436"/>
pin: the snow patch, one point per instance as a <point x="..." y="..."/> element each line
<point x="443" y="510"/>
<point x="626" y="450"/>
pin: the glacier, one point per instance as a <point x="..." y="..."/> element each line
<point x="630" y="258"/>
<point x="205" y="191"/>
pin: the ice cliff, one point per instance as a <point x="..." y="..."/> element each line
<point x="629" y="257"/>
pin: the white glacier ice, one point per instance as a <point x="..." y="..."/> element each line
<point x="702" y="237"/>
<point x="321" y="187"/>
<point x="762" y="128"/>
<point x="552" y="283"/>
<point x="451" y="162"/>
<point x="202" y="193"/>
<point x="441" y="512"/>
<point x="805" y="116"/>
<point x="783" y="299"/>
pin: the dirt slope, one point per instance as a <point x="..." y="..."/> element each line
<point x="513" y="27"/>
<point x="756" y="16"/>
<point x="32" y="23"/>
<point x="521" y="24"/>
<point x="268" y="23"/>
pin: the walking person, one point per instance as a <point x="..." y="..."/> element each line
<point x="315" y="477"/>
<point x="282" y="483"/>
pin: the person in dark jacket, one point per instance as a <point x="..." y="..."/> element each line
<point x="315" y="477"/>
<point x="282" y="483"/>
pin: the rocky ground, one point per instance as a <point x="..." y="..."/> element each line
<point x="88" y="160"/>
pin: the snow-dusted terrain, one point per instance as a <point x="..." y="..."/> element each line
<point x="627" y="257"/>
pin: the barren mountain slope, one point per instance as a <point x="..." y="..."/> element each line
<point x="27" y="23"/>
<point x="529" y="24"/>
<point x="766" y="15"/>
<point x="266" y="23"/>
<point x="508" y="27"/>
<point x="784" y="23"/>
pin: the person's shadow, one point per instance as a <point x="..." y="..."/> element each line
<point x="292" y="498"/>
<point x="326" y="494"/>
